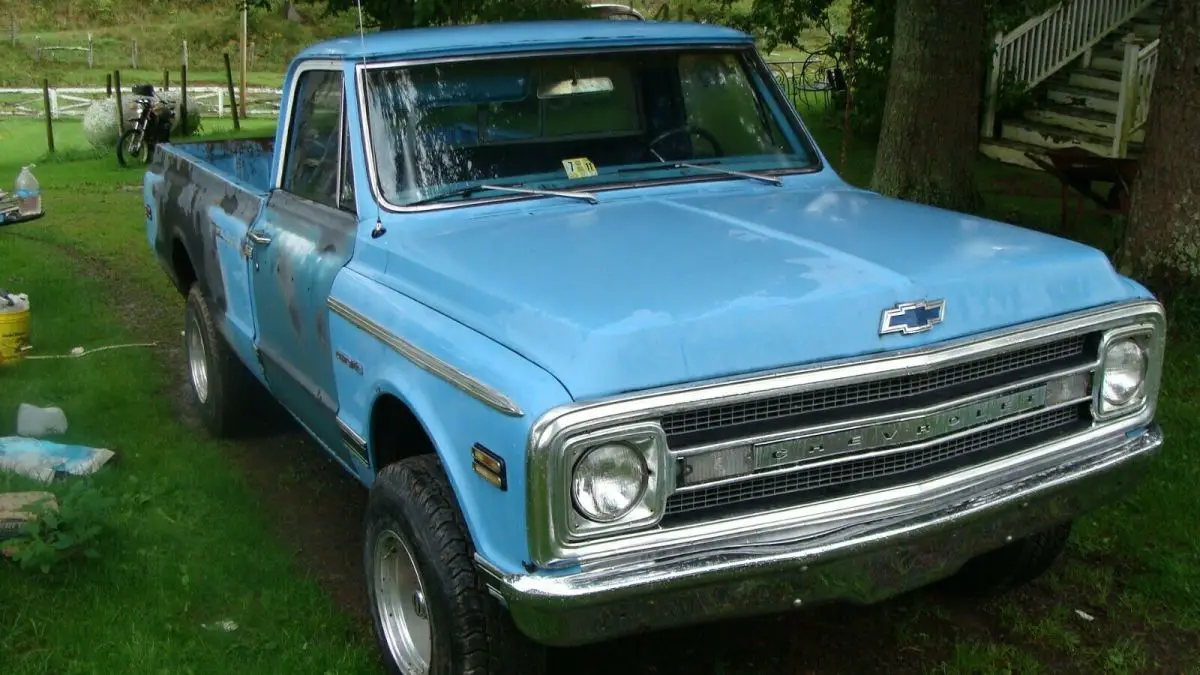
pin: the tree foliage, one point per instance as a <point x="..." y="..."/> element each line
<point x="787" y="22"/>
<point x="389" y="14"/>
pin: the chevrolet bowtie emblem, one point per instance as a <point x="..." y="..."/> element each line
<point x="908" y="318"/>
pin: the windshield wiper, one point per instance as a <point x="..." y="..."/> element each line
<point x="461" y="192"/>
<point x="585" y="196"/>
<point x="773" y="180"/>
<point x="468" y="191"/>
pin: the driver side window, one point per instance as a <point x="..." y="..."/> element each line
<point x="313" y="166"/>
<point x="720" y="97"/>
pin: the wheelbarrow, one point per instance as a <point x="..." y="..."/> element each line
<point x="1076" y="170"/>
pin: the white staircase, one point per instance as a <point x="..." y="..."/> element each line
<point x="1090" y="64"/>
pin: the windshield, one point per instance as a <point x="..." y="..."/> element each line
<point x="574" y="122"/>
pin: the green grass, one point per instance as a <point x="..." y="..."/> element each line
<point x="186" y="544"/>
<point x="24" y="140"/>
<point x="189" y="543"/>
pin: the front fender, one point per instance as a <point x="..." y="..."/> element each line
<point x="370" y="366"/>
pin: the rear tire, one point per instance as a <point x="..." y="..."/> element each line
<point x="1013" y="565"/>
<point x="221" y="387"/>
<point x="430" y="609"/>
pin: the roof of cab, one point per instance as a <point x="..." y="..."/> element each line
<point x="519" y="36"/>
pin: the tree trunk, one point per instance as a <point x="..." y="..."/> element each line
<point x="1163" y="237"/>
<point x="930" y="136"/>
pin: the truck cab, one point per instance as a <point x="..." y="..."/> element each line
<point x="615" y="349"/>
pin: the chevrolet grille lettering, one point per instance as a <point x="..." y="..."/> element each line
<point x="863" y="439"/>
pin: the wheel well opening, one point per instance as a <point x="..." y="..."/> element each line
<point x="181" y="263"/>
<point x="396" y="433"/>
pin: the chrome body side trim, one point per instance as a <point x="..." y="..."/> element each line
<point x="353" y="441"/>
<point x="351" y="435"/>
<point x="854" y="549"/>
<point x="546" y="517"/>
<point x="428" y="362"/>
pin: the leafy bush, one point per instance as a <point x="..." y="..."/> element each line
<point x="56" y="535"/>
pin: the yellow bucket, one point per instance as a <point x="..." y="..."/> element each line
<point x="14" y="328"/>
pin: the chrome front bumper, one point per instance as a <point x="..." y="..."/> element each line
<point x="923" y="534"/>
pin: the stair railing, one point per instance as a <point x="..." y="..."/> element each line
<point x="1137" y="84"/>
<point x="1043" y="45"/>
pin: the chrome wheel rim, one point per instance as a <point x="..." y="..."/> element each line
<point x="401" y="604"/>
<point x="197" y="360"/>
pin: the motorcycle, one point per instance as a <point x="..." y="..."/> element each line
<point x="150" y="126"/>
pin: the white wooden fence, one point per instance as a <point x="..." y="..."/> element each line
<point x="74" y="101"/>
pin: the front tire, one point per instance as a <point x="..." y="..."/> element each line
<point x="133" y="146"/>
<point x="1012" y="565"/>
<point x="431" y="612"/>
<point x="221" y="387"/>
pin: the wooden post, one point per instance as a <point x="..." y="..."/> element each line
<point x="184" y="62"/>
<point x="183" y="120"/>
<point x="166" y="79"/>
<point x="245" y="37"/>
<point x="108" y="86"/>
<point x="91" y="53"/>
<point x="120" y="110"/>
<point x="1127" y="98"/>
<point x="49" y="116"/>
<point x="237" y="125"/>
<point x="133" y="61"/>
<point x="990" y="95"/>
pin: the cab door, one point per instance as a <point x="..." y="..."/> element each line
<point x="304" y="238"/>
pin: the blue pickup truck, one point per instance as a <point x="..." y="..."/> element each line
<point x="615" y="349"/>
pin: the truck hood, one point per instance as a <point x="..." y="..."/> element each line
<point x="639" y="292"/>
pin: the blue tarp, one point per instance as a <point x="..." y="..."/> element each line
<point x="41" y="460"/>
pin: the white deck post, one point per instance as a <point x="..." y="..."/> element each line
<point x="993" y="89"/>
<point x="1127" y="99"/>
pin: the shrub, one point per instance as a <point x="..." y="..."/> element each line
<point x="56" y="535"/>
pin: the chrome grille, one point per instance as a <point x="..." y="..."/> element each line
<point x="715" y="417"/>
<point x="853" y="471"/>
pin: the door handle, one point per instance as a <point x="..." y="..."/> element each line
<point x="258" y="239"/>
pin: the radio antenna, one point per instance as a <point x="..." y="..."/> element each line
<point x="379" y="230"/>
<point x="362" y="39"/>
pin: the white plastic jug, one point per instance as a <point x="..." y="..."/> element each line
<point x="29" y="193"/>
<point x="35" y="422"/>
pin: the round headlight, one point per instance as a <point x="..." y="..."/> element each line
<point x="1124" y="372"/>
<point x="608" y="481"/>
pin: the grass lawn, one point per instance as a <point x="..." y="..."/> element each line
<point x="194" y="536"/>
<point x="187" y="543"/>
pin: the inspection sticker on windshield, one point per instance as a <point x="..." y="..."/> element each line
<point x="580" y="167"/>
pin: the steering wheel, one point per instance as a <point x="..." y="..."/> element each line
<point x="688" y="129"/>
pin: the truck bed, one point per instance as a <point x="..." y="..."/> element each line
<point x="246" y="160"/>
<point x="203" y="196"/>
